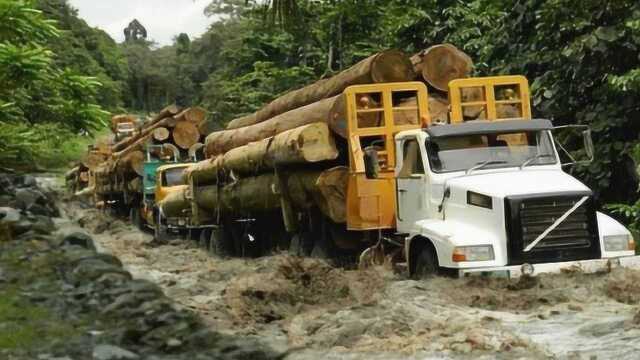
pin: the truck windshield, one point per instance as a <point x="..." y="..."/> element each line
<point x="461" y="153"/>
<point x="173" y="177"/>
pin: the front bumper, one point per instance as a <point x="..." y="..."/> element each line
<point x="586" y="266"/>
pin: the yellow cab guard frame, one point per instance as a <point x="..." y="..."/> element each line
<point x="371" y="203"/>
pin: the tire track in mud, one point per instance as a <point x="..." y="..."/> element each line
<point x="305" y="304"/>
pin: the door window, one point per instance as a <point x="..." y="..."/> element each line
<point x="411" y="159"/>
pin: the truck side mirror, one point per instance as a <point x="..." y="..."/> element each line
<point x="371" y="165"/>
<point x="587" y="143"/>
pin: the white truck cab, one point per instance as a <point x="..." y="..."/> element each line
<point x="492" y="197"/>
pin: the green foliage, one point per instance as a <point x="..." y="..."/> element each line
<point x="39" y="98"/>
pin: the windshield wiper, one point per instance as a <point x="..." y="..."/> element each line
<point x="534" y="158"/>
<point x="482" y="164"/>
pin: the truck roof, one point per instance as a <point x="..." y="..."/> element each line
<point x="479" y="127"/>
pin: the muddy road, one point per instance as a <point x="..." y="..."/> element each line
<point x="318" y="311"/>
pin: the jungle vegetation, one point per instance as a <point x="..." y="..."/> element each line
<point x="583" y="63"/>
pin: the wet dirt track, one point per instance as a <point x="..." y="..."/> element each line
<point x="317" y="311"/>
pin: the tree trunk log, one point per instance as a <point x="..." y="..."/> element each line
<point x="261" y="193"/>
<point x="220" y="142"/>
<point x="306" y="144"/>
<point x="121" y="146"/>
<point x="185" y="134"/>
<point x="194" y="115"/>
<point x="133" y="161"/>
<point x="386" y="66"/>
<point x="440" y="64"/>
<point x="161" y="134"/>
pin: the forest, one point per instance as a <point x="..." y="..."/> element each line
<point x="61" y="78"/>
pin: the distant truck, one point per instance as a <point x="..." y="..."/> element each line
<point x="486" y="196"/>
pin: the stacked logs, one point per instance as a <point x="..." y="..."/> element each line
<point x="285" y="154"/>
<point x="173" y="134"/>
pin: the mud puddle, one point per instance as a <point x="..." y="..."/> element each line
<point x="318" y="311"/>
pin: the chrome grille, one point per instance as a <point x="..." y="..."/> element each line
<point x="536" y="215"/>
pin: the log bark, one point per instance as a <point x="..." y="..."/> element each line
<point x="131" y="162"/>
<point x="440" y="64"/>
<point x="175" y="203"/>
<point x="157" y="121"/>
<point x="185" y="134"/>
<point x="220" y="142"/>
<point x="261" y="193"/>
<point x="194" y="115"/>
<point x="93" y="159"/>
<point x="306" y="144"/>
<point x="242" y="121"/>
<point x="386" y="66"/>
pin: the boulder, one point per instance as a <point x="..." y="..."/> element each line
<point x="9" y="215"/>
<point x="78" y="239"/>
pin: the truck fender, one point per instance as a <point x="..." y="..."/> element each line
<point x="413" y="247"/>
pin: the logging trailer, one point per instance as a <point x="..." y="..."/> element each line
<point x="486" y="196"/>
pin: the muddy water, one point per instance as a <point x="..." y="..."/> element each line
<point x="317" y="311"/>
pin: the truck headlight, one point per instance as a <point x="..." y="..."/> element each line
<point x="473" y="253"/>
<point x="618" y="243"/>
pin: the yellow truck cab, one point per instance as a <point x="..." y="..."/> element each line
<point x="167" y="180"/>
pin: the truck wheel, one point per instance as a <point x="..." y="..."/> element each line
<point x="426" y="262"/>
<point x="203" y="241"/>
<point x="219" y="243"/>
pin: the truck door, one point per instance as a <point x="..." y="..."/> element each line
<point x="411" y="185"/>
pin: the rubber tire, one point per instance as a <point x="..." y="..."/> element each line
<point x="203" y="239"/>
<point x="426" y="262"/>
<point x="219" y="243"/>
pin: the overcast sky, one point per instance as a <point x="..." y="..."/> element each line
<point x="163" y="19"/>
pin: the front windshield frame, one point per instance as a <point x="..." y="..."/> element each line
<point x="175" y="173"/>
<point x="543" y="138"/>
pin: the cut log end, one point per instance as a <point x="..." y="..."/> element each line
<point x="443" y="63"/>
<point x="161" y="134"/>
<point x="185" y="134"/>
<point x="391" y="66"/>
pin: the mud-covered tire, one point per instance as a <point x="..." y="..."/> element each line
<point x="204" y="238"/>
<point x="426" y="262"/>
<point x="220" y="243"/>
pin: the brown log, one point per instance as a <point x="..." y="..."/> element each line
<point x="161" y="134"/>
<point x="306" y="144"/>
<point x="136" y="146"/>
<point x="133" y="161"/>
<point x="185" y="134"/>
<point x="194" y="115"/>
<point x="440" y="64"/>
<point x="305" y="189"/>
<point x="386" y="66"/>
<point x="222" y="141"/>
<point x="243" y="121"/>
<point x="147" y="127"/>
<point x="93" y="159"/>
<point x="208" y="126"/>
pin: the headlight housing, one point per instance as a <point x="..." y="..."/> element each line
<point x="619" y="243"/>
<point x="473" y="253"/>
